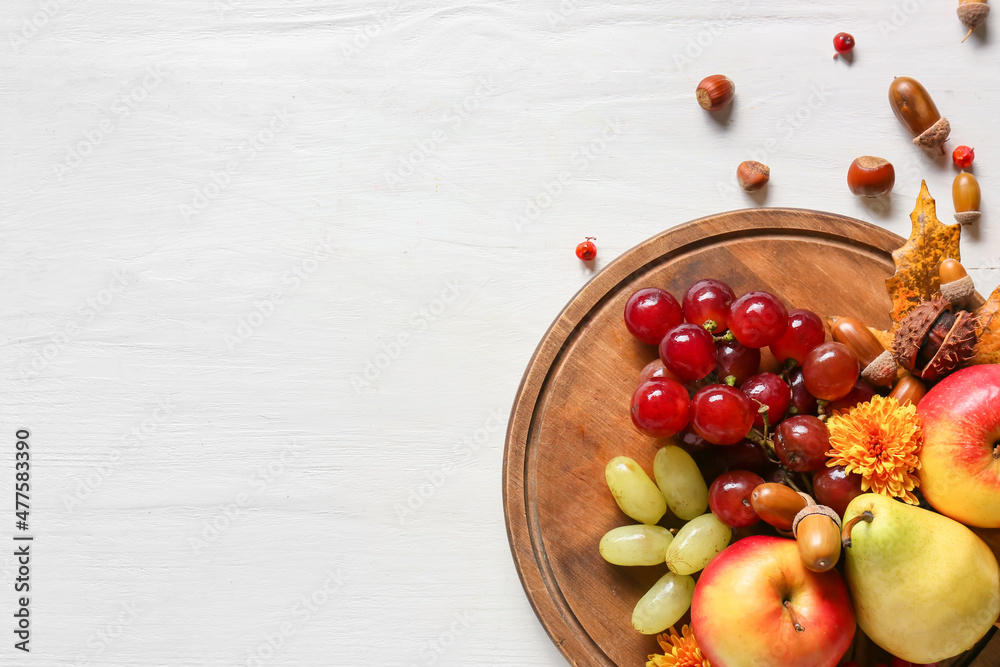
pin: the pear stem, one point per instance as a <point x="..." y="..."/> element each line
<point x="795" y="621"/>
<point x="845" y="536"/>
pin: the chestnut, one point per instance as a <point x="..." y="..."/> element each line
<point x="871" y="176"/>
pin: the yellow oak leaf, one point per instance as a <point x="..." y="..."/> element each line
<point x="918" y="260"/>
<point x="988" y="331"/>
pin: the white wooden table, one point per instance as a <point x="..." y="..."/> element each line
<point x="272" y="272"/>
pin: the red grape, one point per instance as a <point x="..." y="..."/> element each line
<point x="861" y="393"/>
<point x="836" y="488"/>
<point x="721" y="414"/>
<point x="736" y="360"/>
<point x="830" y="371"/>
<point x="803" y="332"/>
<point x="744" y="455"/>
<point x="757" y="319"/>
<point x="688" y="351"/>
<point x="729" y="498"/>
<point x="653" y="370"/>
<point x="650" y="313"/>
<point x="691" y="442"/>
<point x="803" y="402"/>
<point x="771" y="390"/>
<point x="660" y="407"/>
<point x="801" y="442"/>
<point x="708" y="300"/>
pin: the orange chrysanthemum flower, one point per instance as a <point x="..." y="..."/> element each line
<point x="879" y="440"/>
<point x="681" y="651"/>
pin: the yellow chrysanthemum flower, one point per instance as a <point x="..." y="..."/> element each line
<point x="879" y="440"/>
<point x="681" y="651"/>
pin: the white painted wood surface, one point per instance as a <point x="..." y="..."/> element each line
<point x="273" y="271"/>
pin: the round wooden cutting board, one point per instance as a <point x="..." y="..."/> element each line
<point x="571" y="414"/>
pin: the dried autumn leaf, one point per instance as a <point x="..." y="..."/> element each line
<point x="988" y="330"/>
<point x="917" y="261"/>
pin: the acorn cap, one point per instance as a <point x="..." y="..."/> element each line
<point x="935" y="135"/>
<point x="968" y="217"/>
<point x="881" y="371"/>
<point x="957" y="291"/>
<point x="972" y="14"/>
<point x="814" y="509"/>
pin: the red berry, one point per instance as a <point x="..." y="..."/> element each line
<point x="650" y="313"/>
<point x="586" y="251"/>
<point x="963" y="157"/>
<point x="843" y="42"/>
<point x="660" y="408"/>
<point x="757" y="319"/>
<point x="721" y="414"/>
<point x="803" y="333"/>
<point x="688" y="351"/>
<point x="708" y="300"/>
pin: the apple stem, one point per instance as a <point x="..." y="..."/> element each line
<point x="996" y="451"/>
<point x="795" y="621"/>
<point x="845" y="536"/>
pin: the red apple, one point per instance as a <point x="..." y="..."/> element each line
<point x="757" y="604"/>
<point x="960" y="457"/>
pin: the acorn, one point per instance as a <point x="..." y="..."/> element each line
<point x="778" y="505"/>
<point x="956" y="283"/>
<point x="878" y="365"/>
<point x="817" y="531"/>
<point x="917" y="112"/>
<point x="934" y="339"/>
<point x="972" y="13"/>
<point x="909" y="389"/>
<point x="967" y="196"/>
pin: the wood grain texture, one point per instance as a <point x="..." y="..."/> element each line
<point x="571" y="414"/>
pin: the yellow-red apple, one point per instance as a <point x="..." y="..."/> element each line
<point x="756" y="604"/>
<point x="960" y="457"/>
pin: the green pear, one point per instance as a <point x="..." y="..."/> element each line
<point x="924" y="586"/>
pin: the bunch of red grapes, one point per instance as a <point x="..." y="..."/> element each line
<point x="743" y="425"/>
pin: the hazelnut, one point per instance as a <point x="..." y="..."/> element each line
<point x="871" y="176"/>
<point x="753" y="175"/>
<point x="715" y="92"/>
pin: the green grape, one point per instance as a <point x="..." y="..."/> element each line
<point x="664" y="604"/>
<point x="680" y="482"/>
<point x="697" y="543"/>
<point x="634" y="491"/>
<point x="636" y="545"/>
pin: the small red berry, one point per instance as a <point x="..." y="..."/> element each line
<point x="843" y="42"/>
<point x="963" y="157"/>
<point x="587" y="251"/>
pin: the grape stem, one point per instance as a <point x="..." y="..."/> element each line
<point x="821" y="410"/>
<point x="725" y="338"/>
